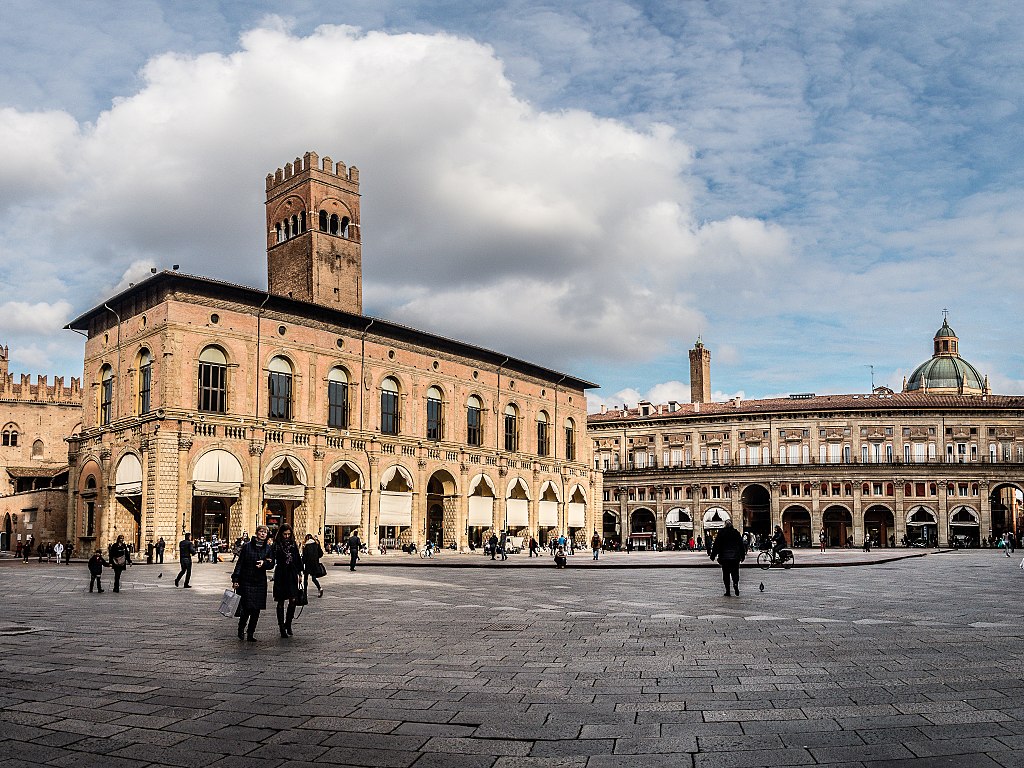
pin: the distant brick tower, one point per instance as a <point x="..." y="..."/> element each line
<point x="700" y="374"/>
<point x="314" y="247"/>
<point x="5" y="357"/>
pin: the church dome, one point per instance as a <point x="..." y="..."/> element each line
<point x="946" y="373"/>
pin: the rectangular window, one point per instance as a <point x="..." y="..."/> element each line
<point x="212" y="387"/>
<point x="337" y="404"/>
<point x="570" y="444"/>
<point x="145" y="383"/>
<point x="542" y="438"/>
<point x="279" y="387"/>
<point x="474" y="426"/>
<point x="389" y="412"/>
<point x="512" y="436"/>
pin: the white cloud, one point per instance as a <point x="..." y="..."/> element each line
<point x="549" y="235"/>
<point x="19" y="317"/>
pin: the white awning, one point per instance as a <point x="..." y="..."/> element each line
<point x="128" y="481"/>
<point x="296" y="465"/>
<point x="715" y="517"/>
<point x="344" y="506"/>
<point x="548" y="515"/>
<point x="395" y="508"/>
<point x="679" y="518"/>
<point x="481" y="511"/>
<point x="518" y="512"/>
<point x="211" y="488"/>
<point x="286" y="492"/>
<point x="522" y="484"/>
<point x="389" y="475"/>
<point x="218" y="466"/>
<point x="553" y="487"/>
<point x="479" y="480"/>
<point x="576" y="514"/>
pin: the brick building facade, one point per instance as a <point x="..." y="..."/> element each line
<point x="35" y="420"/>
<point x="212" y="407"/>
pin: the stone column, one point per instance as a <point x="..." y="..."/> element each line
<point x="942" y="513"/>
<point x="775" y="501"/>
<point x="985" y="507"/>
<point x="251" y="511"/>
<point x="371" y="507"/>
<point x="858" y="513"/>
<point x="816" y="518"/>
<point x="624" y="523"/>
<point x="660" y="530"/>
<point x="317" y="511"/>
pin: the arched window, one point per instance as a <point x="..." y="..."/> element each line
<point x="343" y="229"/>
<point x="10" y="436"/>
<point x="511" y="428"/>
<point x="145" y="380"/>
<point x="279" y="389"/>
<point x="37" y="448"/>
<point x="334" y="224"/>
<point x="337" y="399"/>
<point x="323" y="221"/>
<point x="542" y="434"/>
<point x="389" y="415"/>
<point x="302" y="222"/>
<point x="570" y="440"/>
<point x="474" y="421"/>
<point x="213" y="369"/>
<point x="106" y="394"/>
<point x="280" y="232"/>
<point x="435" y="414"/>
<point x="295" y="226"/>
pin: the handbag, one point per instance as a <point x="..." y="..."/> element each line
<point x="302" y="599"/>
<point x="321" y="570"/>
<point x="229" y="603"/>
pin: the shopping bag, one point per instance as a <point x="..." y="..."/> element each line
<point x="229" y="603"/>
<point x="321" y="570"/>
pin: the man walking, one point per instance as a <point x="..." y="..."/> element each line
<point x="502" y="544"/>
<point x="58" y="550"/>
<point x="185" y="551"/>
<point x="595" y="544"/>
<point x="353" y="549"/>
<point x="493" y="544"/>
<point x="728" y="548"/>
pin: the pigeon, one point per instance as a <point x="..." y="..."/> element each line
<point x="160" y="575"/>
<point x="762" y="586"/>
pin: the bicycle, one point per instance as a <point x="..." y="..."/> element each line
<point x="768" y="557"/>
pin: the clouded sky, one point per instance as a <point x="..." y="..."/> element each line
<point x="588" y="185"/>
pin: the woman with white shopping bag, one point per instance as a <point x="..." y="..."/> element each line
<point x="249" y="580"/>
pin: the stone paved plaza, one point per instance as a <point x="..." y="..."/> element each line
<point x="910" y="663"/>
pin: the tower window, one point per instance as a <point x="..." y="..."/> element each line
<point x="323" y="221"/>
<point x="335" y="224"/>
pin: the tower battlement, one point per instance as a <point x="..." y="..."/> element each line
<point x="40" y="392"/>
<point x="312" y="161"/>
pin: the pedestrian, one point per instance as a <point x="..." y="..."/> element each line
<point x="68" y="551"/>
<point x="867" y="542"/>
<point x="700" y="544"/>
<point x="58" y="550"/>
<point x="249" y="579"/>
<point x="353" y="549"/>
<point x="503" y="544"/>
<point x="822" y="539"/>
<point x="560" y="559"/>
<point x="287" y="577"/>
<point x="595" y="544"/>
<point x="96" y="565"/>
<point x="120" y="558"/>
<point x="533" y="547"/>
<point x="161" y="545"/>
<point x="27" y="550"/>
<point x="728" y="548"/>
<point x="311" y="554"/>
<point x="493" y="544"/>
<point x="185" y="551"/>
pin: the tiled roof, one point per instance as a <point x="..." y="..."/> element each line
<point x="16" y="472"/>
<point x="816" y="404"/>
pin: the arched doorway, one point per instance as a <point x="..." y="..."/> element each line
<point x="395" y="514"/>
<point x="547" y="515"/>
<point x="442" y="510"/>
<point x="1007" y="504"/>
<point x="344" y="503"/>
<point x="678" y="527"/>
<point x="576" y="516"/>
<point x="879" y="526"/>
<point x="837" y="522"/>
<point x="757" y="510"/>
<point x="284" y="490"/>
<point x="128" y="492"/>
<point x="216" y="485"/>
<point x="964" y="527"/>
<point x="611" y="528"/>
<point x="796" y="525"/>
<point x="921" y="527"/>
<point x="517" y="507"/>
<point x="5" y="541"/>
<point x="642" y="528"/>
<point x="482" y="494"/>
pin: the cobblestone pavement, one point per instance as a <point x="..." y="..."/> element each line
<point x="909" y="663"/>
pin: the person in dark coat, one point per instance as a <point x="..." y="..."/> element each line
<point x="493" y="544"/>
<point x="311" y="554"/>
<point x="161" y="545"/>
<point x="185" y="551"/>
<point x="249" y="580"/>
<point x="96" y="564"/>
<point x="353" y="549"/>
<point x="120" y="558"/>
<point x="287" y="577"/>
<point x="728" y="548"/>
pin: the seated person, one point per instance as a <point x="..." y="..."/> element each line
<point x="560" y="559"/>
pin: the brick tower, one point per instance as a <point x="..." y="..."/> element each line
<point x="700" y="373"/>
<point x="314" y="250"/>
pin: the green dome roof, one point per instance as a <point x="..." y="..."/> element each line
<point x="945" y="373"/>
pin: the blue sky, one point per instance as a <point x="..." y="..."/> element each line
<point x="589" y="185"/>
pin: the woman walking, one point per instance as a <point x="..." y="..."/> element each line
<point x="311" y="554"/>
<point x="287" y="577"/>
<point x="120" y="558"/>
<point x="249" y="580"/>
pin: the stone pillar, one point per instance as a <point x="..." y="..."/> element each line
<point x="317" y="511"/>
<point x="816" y="518"/>
<point x="736" y="506"/>
<point x="660" y="531"/>
<point x="460" y="509"/>
<point x="419" y="510"/>
<point x="371" y="507"/>
<point x="985" y="507"/>
<point x="624" y="523"/>
<point x="775" y="513"/>
<point x="858" y="513"/>
<point x="251" y="501"/>
<point x="105" y="502"/>
<point x="942" y="513"/>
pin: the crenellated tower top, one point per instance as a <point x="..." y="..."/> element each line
<point x="314" y="239"/>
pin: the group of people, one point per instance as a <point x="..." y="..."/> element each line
<point x="50" y="550"/>
<point x="118" y="559"/>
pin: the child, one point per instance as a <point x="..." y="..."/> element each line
<point x="96" y="563"/>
